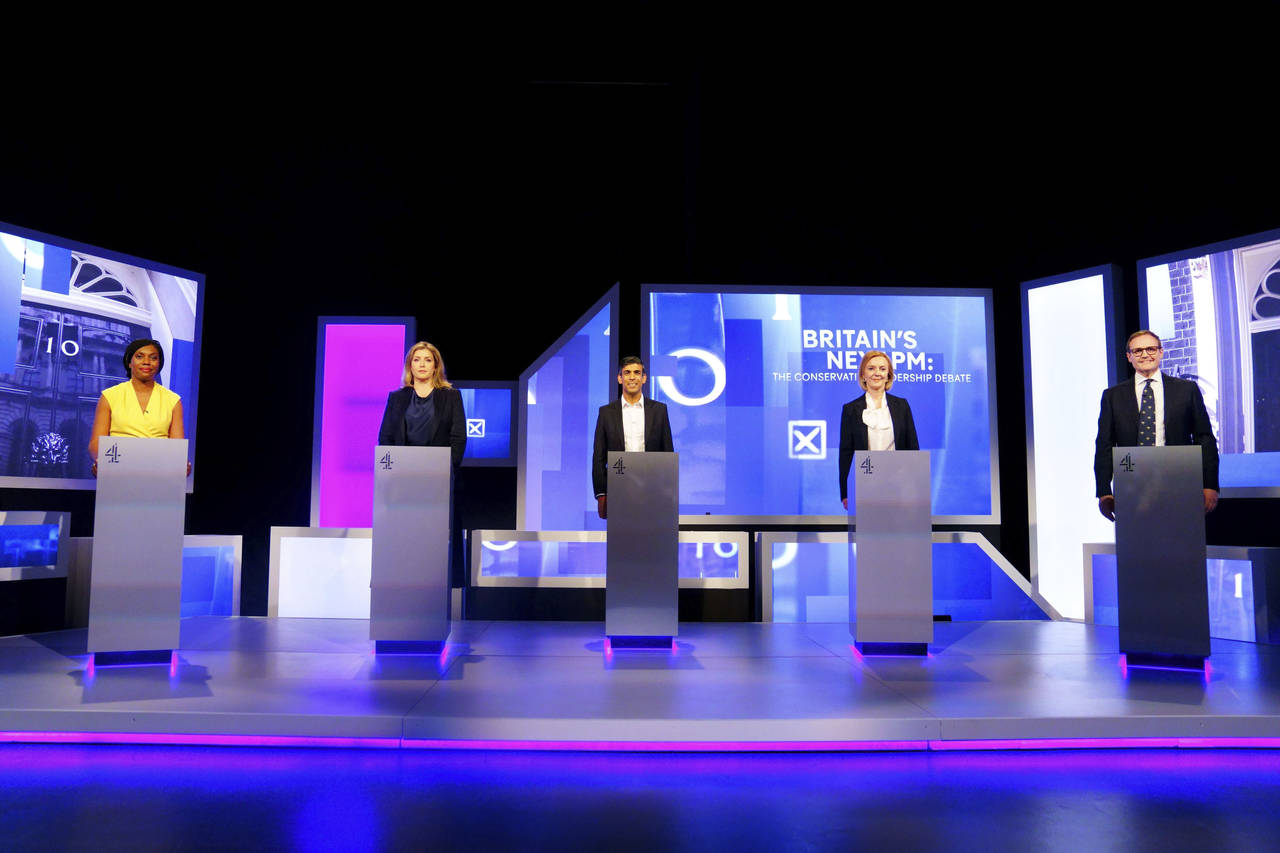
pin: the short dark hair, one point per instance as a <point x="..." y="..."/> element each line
<point x="134" y="346"/>
<point x="1142" y="332"/>
<point x="631" y="359"/>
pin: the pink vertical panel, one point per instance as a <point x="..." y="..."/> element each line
<point x="362" y="364"/>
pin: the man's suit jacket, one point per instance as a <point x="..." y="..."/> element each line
<point x="449" y="428"/>
<point x="1186" y="421"/>
<point x="609" y="436"/>
<point x="853" y="432"/>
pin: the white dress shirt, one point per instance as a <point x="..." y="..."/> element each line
<point x="879" y="426"/>
<point x="1157" y="388"/>
<point x="633" y="425"/>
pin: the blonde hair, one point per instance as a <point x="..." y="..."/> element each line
<point x="862" y="368"/>
<point x="438" y="378"/>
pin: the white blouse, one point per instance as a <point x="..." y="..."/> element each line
<point x="879" y="426"/>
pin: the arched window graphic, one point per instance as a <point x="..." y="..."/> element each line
<point x="1265" y="299"/>
<point x="91" y="278"/>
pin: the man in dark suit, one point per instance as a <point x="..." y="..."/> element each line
<point x="630" y="423"/>
<point x="1152" y="410"/>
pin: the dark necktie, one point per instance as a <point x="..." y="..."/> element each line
<point x="1147" y="417"/>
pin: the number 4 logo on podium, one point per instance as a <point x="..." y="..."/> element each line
<point x="1127" y="463"/>
<point x="617" y="466"/>
<point x="386" y="461"/>
<point x="113" y="455"/>
<point x="866" y="465"/>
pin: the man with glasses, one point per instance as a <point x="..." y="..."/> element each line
<point x="1152" y="409"/>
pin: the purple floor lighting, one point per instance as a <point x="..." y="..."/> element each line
<point x="663" y="644"/>
<point x="144" y="657"/>
<point x="409" y="647"/>
<point x="1176" y="663"/>
<point x="893" y="649"/>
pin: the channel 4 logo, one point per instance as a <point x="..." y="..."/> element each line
<point x="807" y="439"/>
<point x="475" y="427"/>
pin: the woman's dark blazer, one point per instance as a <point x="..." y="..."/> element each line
<point x="450" y="421"/>
<point x="853" y="432"/>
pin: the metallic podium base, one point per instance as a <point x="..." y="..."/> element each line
<point x="1190" y="663"/>
<point x="613" y="643"/>
<point x="897" y="649"/>
<point x="408" y="647"/>
<point x="147" y="657"/>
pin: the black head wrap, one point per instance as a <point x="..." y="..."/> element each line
<point x="134" y="346"/>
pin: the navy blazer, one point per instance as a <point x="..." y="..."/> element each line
<point x="450" y="428"/>
<point x="853" y="432"/>
<point x="1186" y="421"/>
<point x="609" y="436"/>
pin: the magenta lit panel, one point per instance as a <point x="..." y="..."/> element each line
<point x="362" y="364"/>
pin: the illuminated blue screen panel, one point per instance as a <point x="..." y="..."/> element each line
<point x="755" y="381"/>
<point x="1231" y="615"/>
<point x="28" y="545"/>
<point x="489" y="429"/>
<point x="811" y="584"/>
<point x="529" y="559"/>
<point x="209" y="581"/>
<point x="1217" y="310"/>
<point x="559" y="396"/>
<point x="67" y="313"/>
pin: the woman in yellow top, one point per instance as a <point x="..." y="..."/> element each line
<point x="140" y="406"/>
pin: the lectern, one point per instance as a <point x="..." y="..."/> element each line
<point x="891" y="581"/>
<point x="642" y="569"/>
<point x="409" y="582"/>
<point x="135" y="589"/>
<point x="1162" y="595"/>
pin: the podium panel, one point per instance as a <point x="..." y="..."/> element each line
<point x="409" y="582"/>
<point x="135" y="594"/>
<point x="1162" y="597"/>
<point x="642" y="566"/>
<point x="893" y="575"/>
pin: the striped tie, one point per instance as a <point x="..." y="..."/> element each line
<point x="1147" y="417"/>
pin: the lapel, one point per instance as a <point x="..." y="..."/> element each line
<point x="1171" y="391"/>
<point x="1129" y="402"/>
<point x="440" y="416"/>
<point x="860" y="406"/>
<point x="615" y="414"/>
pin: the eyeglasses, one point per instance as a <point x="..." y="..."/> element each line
<point x="1146" y="350"/>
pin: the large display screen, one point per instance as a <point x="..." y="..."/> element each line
<point x="67" y="312"/>
<point x="488" y="406"/>
<point x="1217" y="311"/>
<point x="755" y="381"/>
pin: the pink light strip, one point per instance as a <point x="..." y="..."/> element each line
<point x="1062" y="743"/>
<point x="673" y="746"/>
<point x="169" y="739"/>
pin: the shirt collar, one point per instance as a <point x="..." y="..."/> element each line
<point x="1155" y="378"/>
<point x="638" y="404"/>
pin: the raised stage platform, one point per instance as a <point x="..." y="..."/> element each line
<point x="554" y="685"/>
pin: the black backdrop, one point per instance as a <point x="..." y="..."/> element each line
<point x="498" y="207"/>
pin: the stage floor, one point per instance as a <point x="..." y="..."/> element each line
<point x="726" y="686"/>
